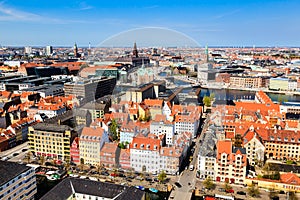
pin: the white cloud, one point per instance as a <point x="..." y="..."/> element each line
<point x="10" y="14"/>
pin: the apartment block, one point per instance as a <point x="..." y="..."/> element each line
<point x="91" y="142"/>
<point x="109" y="155"/>
<point x="51" y="140"/>
<point x="90" y="89"/>
<point x="231" y="163"/>
<point x="17" y="181"/>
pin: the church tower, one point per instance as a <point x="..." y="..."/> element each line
<point x="75" y="49"/>
<point x="135" y="51"/>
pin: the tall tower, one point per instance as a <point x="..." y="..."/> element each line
<point x="206" y="53"/>
<point x="75" y="49"/>
<point x="49" y="50"/>
<point x="135" y="51"/>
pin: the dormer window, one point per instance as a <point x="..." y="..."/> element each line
<point x="293" y="140"/>
<point x="142" y="146"/>
<point x="134" y="145"/>
<point x="155" y="147"/>
<point x="148" y="146"/>
<point x="278" y="138"/>
<point x="171" y="152"/>
<point x="272" y="137"/>
<point x="285" y="139"/>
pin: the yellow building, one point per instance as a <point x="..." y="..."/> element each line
<point x="288" y="182"/>
<point x="90" y="143"/>
<point x="51" y="140"/>
<point x="279" y="84"/>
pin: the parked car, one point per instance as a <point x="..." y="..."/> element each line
<point x="148" y="179"/>
<point x="221" y="190"/>
<point x="104" y="173"/>
<point x="230" y="191"/>
<point x="178" y="184"/>
<point x="114" y="174"/>
<point x="139" y="178"/>
<point x="241" y="192"/>
<point x="121" y="175"/>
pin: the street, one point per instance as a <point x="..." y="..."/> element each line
<point x="17" y="149"/>
<point x="187" y="178"/>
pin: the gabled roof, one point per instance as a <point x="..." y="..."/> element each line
<point x="88" y="131"/>
<point x="290" y="178"/>
<point x="65" y="188"/>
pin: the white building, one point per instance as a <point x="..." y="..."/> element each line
<point x="145" y="154"/>
<point x="186" y="123"/>
<point x="163" y="127"/>
<point x="166" y="110"/>
<point x="292" y="85"/>
<point x="127" y="132"/>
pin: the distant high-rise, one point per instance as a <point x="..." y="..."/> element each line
<point x="49" y="50"/>
<point x="75" y="51"/>
<point x="27" y="50"/>
<point x="206" y="53"/>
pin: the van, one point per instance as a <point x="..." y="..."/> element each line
<point x="191" y="167"/>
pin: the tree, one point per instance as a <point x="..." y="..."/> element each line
<point x="27" y="156"/>
<point x="253" y="191"/>
<point x="207" y="101"/>
<point x="113" y="128"/>
<point x="67" y="163"/>
<point x="162" y="176"/>
<point x="208" y="183"/>
<point x="273" y="193"/>
<point x="227" y="187"/>
<point x="81" y="163"/>
<point x="292" y="196"/>
<point x="42" y="159"/>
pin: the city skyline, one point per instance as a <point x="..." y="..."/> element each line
<point x="216" y="23"/>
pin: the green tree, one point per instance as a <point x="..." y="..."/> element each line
<point x="122" y="145"/>
<point x="113" y="128"/>
<point x="227" y="186"/>
<point x="81" y="163"/>
<point x="207" y="101"/>
<point x="292" y="196"/>
<point x="67" y="164"/>
<point x="253" y="191"/>
<point x="42" y="160"/>
<point x="162" y="176"/>
<point x="212" y="96"/>
<point x="27" y="156"/>
<point x="209" y="184"/>
<point x="273" y="193"/>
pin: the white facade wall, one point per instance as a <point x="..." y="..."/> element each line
<point x="126" y="136"/>
<point x="53" y="113"/>
<point x="147" y="158"/>
<point x="182" y="127"/>
<point x="159" y="128"/>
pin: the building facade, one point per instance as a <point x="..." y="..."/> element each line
<point x="91" y="142"/>
<point x="17" y="181"/>
<point x="51" y="140"/>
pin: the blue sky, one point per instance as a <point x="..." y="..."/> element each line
<point x="212" y="22"/>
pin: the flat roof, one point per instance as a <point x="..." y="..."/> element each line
<point x="10" y="170"/>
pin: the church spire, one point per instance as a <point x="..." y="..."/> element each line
<point x="135" y="51"/>
<point x="75" y="49"/>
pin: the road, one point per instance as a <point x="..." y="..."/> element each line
<point x="187" y="178"/>
<point x="17" y="149"/>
